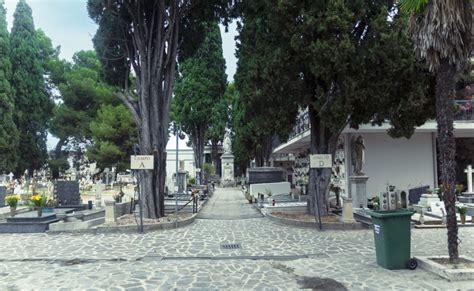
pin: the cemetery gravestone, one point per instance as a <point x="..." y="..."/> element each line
<point x="67" y="192"/>
<point x="414" y="194"/>
<point x="3" y="193"/>
<point x="265" y="175"/>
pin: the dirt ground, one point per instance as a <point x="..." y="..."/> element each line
<point x="306" y="217"/>
<point x="463" y="263"/>
<point x="131" y="219"/>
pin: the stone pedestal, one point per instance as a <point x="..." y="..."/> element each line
<point x="110" y="215"/>
<point x="181" y="181"/>
<point x="359" y="190"/>
<point x="347" y="214"/>
<point x="227" y="179"/>
<point x="98" y="195"/>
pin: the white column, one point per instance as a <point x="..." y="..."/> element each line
<point x="469" y="178"/>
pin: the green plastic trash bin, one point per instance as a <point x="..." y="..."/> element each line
<point x="392" y="238"/>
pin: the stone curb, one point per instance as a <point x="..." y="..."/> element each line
<point x="311" y="224"/>
<point x="443" y="271"/>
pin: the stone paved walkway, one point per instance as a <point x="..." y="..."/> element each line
<point x="272" y="257"/>
<point x="228" y="203"/>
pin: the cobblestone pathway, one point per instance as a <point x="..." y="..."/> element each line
<point x="272" y="257"/>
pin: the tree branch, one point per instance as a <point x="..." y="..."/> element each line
<point x="131" y="104"/>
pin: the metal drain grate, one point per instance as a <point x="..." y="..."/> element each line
<point x="231" y="246"/>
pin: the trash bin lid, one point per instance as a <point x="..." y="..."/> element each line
<point x="391" y="213"/>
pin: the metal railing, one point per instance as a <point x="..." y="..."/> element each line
<point x="188" y="199"/>
<point x="463" y="112"/>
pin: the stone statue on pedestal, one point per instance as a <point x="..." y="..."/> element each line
<point x="357" y="154"/>
<point x="227" y="144"/>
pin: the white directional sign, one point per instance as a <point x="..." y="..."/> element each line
<point x="141" y="162"/>
<point x="320" y="161"/>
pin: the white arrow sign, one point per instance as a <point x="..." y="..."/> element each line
<point x="320" y="161"/>
<point x="141" y="162"/>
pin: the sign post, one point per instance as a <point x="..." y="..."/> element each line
<point x="319" y="162"/>
<point x="141" y="163"/>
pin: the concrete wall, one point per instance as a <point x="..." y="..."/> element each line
<point x="275" y="188"/>
<point x="404" y="163"/>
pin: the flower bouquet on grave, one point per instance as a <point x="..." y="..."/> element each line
<point x="12" y="201"/>
<point x="462" y="210"/>
<point x="39" y="201"/>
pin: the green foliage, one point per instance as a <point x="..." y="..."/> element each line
<point x="114" y="134"/>
<point x="32" y="102"/>
<point x="199" y="103"/>
<point x="208" y="169"/>
<point x="191" y="181"/>
<point x="410" y="6"/>
<point x="58" y="165"/>
<point x="8" y="130"/>
<point x="81" y="94"/>
<point x="348" y="62"/>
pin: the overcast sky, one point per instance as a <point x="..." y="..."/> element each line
<point x="68" y="25"/>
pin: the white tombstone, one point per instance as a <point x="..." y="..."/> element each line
<point x="98" y="195"/>
<point x="468" y="171"/>
<point x="437" y="208"/>
<point x="10" y="176"/>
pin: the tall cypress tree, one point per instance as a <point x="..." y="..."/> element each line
<point x="32" y="102"/>
<point x="8" y="131"/>
<point x="200" y="89"/>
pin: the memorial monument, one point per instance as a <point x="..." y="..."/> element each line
<point x="227" y="159"/>
<point x="468" y="197"/>
<point x="358" y="179"/>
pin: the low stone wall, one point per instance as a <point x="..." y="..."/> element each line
<point x="286" y="209"/>
<point x="114" y="210"/>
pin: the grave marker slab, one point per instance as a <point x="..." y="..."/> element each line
<point x="3" y="193"/>
<point x="67" y="192"/>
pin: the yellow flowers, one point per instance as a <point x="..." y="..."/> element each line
<point x="39" y="200"/>
<point x="12" y="200"/>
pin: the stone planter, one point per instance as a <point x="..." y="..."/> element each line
<point x="463" y="218"/>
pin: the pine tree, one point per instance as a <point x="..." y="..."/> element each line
<point x="8" y="131"/>
<point x="32" y="102"/>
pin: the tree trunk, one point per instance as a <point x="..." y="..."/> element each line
<point x="198" y="148"/>
<point x="57" y="154"/>
<point x="318" y="178"/>
<point x="445" y="85"/>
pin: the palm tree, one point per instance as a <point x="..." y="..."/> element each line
<point x="441" y="34"/>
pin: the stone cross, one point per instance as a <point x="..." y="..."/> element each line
<point x="11" y="177"/>
<point x="469" y="178"/>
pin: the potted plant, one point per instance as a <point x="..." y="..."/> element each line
<point x="39" y="201"/>
<point x="462" y="210"/>
<point x="12" y="201"/>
